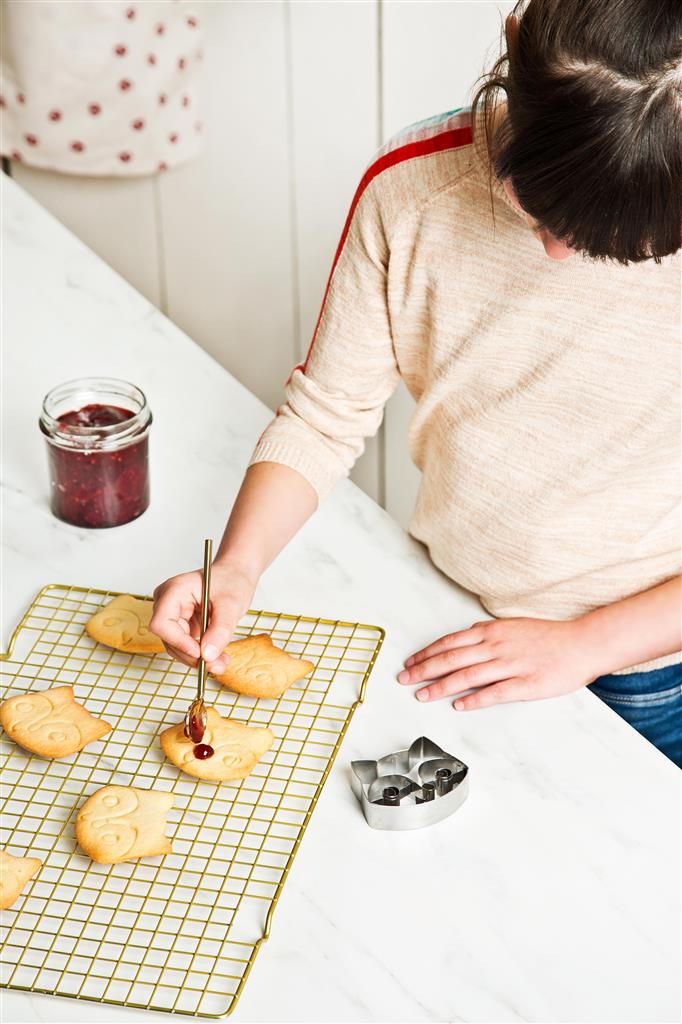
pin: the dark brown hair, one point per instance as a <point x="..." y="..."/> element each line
<point x="592" y="138"/>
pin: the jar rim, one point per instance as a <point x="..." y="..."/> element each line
<point x="98" y="437"/>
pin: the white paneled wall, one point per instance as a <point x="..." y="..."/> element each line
<point x="335" y="130"/>
<point x="236" y="246"/>
<point x="433" y="53"/>
<point x="117" y="217"/>
<point x="226" y="217"/>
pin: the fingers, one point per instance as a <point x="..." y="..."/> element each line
<point x="216" y="661"/>
<point x="461" y="638"/>
<point x="180" y="656"/>
<point x="226" y="610"/>
<point x="177" y="617"/>
<point x="193" y="626"/>
<point x="443" y="664"/>
<point x="174" y="636"/>
<point x="174" y="606"/>
<point x="500" y="693"/>
<point x="475" y="675"/>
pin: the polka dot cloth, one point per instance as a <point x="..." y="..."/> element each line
<point x="101" y="87"/>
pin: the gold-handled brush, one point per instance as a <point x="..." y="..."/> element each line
<point x="195" y="719"/>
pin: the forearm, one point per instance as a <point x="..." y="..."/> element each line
<point x="637" y="629"/>
<point x="273" y="503"/>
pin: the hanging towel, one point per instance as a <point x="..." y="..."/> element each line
<point x="100" y="87"/>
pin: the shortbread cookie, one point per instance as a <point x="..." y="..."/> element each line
<point x="14" y="874"/>
<point x="237" y="748"/>
<point x="122" y="823"/>
<point x="50" y="722"/>
<point x="124" y="624"/>
<point x="259" y="669"/>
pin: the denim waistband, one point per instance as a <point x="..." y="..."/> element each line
<point x="664" y="682"/>
<point x="643" y="682"/>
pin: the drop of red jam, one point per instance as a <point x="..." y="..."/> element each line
<point x="202" y="751"/>
<point x="98" y="488"/>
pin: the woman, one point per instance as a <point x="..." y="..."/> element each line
<point x="519" y="268"/>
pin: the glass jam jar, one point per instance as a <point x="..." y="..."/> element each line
<point x="97" y="432"/>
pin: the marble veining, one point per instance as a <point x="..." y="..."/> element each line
<point x="552" y="895"/>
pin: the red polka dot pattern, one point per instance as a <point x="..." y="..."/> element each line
<point x="132" y="83"/>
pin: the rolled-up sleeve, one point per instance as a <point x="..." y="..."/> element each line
<point x="336" y="398"/>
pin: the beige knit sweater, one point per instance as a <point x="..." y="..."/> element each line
<point x="547" y="421"/>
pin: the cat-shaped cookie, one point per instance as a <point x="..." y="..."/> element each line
<point x="237" y="748"/>
<point x="50" y="722"/>
<point x="120" y="823"/>
<point x="14" y="874"/>
<point x="124" y="624"/>
<point x="260" y="669"/>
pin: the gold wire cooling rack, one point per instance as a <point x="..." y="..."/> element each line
<point x="180" y="933"/>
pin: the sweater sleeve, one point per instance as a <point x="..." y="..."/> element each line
<point x="335" y="399"/>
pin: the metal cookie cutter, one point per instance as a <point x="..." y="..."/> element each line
<point x="410" y="788"/>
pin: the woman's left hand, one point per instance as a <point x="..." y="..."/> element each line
<point x="509" y="659"/>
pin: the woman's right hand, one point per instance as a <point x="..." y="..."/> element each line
<point x="273" y="503"/>
<point x="177" y="613"/>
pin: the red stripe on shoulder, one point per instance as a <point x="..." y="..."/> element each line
<point x="452" y="139"/>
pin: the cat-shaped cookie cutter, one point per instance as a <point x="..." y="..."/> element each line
<point x="410" y="788"/>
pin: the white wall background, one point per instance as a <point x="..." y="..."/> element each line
<point x="236" y="246"/>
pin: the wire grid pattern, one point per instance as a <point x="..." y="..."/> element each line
<point x="178" y="933"/>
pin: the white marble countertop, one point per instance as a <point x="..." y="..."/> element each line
<point x="552" y="895"/>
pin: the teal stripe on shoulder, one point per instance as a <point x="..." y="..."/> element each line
<point x="429" y="122"/>
<point x="422" y="130"/>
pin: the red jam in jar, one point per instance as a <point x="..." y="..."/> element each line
<point x="97" y="432"/>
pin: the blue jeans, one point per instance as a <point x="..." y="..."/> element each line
<point x="651" y="702"/>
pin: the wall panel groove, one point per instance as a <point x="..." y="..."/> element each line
<point x="293" y="199"/>
<point x="226" y="216"/>
<point x="432" y="54"/>
<point x="160" y="249"/>
<point x="336" y="128"/>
